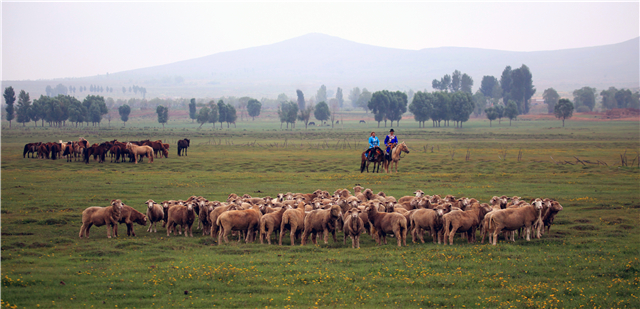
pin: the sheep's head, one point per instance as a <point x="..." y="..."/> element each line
<point x="142" y="220"/>
<point x="382" y="194"/>
<point x="357" y="189"/>
<point x="117" y="204"/>
<point x="390" y="207"/>
<point x="418" y="193"/>
<point x="354" y="213"/>
<point x="149" y="203"/>
<point x="537" y="204"/>
<point x="336" y="211"/>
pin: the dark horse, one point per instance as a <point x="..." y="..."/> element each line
<point x="378" y="160"/>
<point x="183" y="144"/>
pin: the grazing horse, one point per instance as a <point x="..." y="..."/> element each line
<point x="378" y="160"/>
<point x="183" y="144"/>
<point x="141" y="151"/>
<point x="31" y="148"/>
<point x="55" y="149"/>
<point x="395" y="156"/>
<point x="98" y="151"/>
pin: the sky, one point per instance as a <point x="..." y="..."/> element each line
<point x="44" y="40"/>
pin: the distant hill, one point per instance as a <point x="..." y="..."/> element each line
<point x="310" y="60"/>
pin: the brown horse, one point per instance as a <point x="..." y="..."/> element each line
<point x="378" y="160"/>
<point x="395" y="156"/>
<point x="141" y="151"/>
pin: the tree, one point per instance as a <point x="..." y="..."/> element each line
<point x="339" y="97"/>
<point x="283" y="98"/>
<point x="456" y="79"/>
<point x="585" y="96"/>
<point x="521" y="88"/>
<point x="500" y="111"/>
<point x="9" y="99"/>
<point x="461" y="107"/>
<point x="231" y="116"/>
<point x="222" y="112"/>
<point x="563" y="110"/>
<point x="124" y="89"/>
<point x="487" y="85"/>
<point x="492" y="114"/>
<point x="505" y="84"/>
<point x="305" y="114"/>
<point x="321" y="95"/>
<point x="288" y="113"/>
<point x="511" y="111"/>
<point x="35" y="112"/>
<point x="441" y="108"/>
<point x="551" y="98"/>
<point x="363" y="99"/>
<point x="301" y="102"/>
<point x="24" y="105"/>
<point x="203" y="116"/>
<point x="354" y="95"/>
<point x="163" y="114"/>
<point x="253" y="107"/>
<point x="466" y="83"/>
<point x="480" y="103"/>
<point x="379" y="105"/>
<point x="192" y="109"/>
<point x="421" y="107"/>
<point x="397" y="106"/>
<point x="214" y="115"/>
<point x="443" y="84"/>
<point x="96" y="107"/>
<point x="322" y="112"/>
<point x="124" y="111"/>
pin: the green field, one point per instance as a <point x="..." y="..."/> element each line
<point x="589" y="259"/>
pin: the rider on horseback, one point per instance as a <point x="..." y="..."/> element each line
<point x="390" y="141"/>
<point x="374" y="142"/>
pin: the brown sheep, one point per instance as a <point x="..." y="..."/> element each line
<point x="511" y="219"/>
<point x="239" y="220"/>
<point x="409" y="198"/>
<point x="429" y="219"/>
<point x="368" y="195"/>
<point x="388" y="223"/>
<point x="203" y="217"/>
<point x="183" y="216"/>
<point x="321" y="220"/>
<point x="465" y="222"/>
<point x="130" y="216"/>
<point x="165" y="208"/>
<point x="357" y="192"/>
<point x="353" y="227"/>
<point x="155" y="213"/>
<point x="549" y="214"/>
<point x="213" y="216"/>
<point x="100" y="216"/>
<point x="269" y="222"/>
<point x="293" y="220"/>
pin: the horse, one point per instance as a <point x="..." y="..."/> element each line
<point x="183" y="144"/>
<point x="31" y="148"/>
<point x="378" y="160"/>
<point x="395" y="156"/>
<point x="141" y="151"/>
<point x="157" y="146"/>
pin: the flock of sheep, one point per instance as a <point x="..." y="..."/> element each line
<point x="320" y="214"/>
<point x="72" y="150"/>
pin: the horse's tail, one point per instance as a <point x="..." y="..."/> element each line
<point x="363" y="164"/>
<point x="26" y="149"/>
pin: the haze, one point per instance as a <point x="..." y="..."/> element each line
<point x="54" y="40"/>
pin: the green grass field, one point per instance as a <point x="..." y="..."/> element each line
<point x="590" y="258"/>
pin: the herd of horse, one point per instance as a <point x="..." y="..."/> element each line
<point x="379" y="158"/>
<point x="135" y="151"/>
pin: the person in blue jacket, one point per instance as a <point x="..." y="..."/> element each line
<point x="374" y="142"/>
<point x="390" y="141"/>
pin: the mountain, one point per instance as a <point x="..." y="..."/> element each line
<point x="308" y="61"/>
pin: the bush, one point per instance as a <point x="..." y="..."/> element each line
<point x="583" y="109"/>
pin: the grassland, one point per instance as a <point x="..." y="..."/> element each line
<point x="589" y="259"/>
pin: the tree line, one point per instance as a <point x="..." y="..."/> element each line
<point x="64" y="90"/>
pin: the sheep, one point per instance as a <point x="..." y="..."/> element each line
<point x="100" y="216"/>
<point x="128" y="217"/>
<point x="183" y="216"/>
<point x="353" y="227"/>
<point x="321" y="220"/>
<point x="239" y="220"/>
<point x="213" y="216"/>
<point x="203" y="217"/>
<point x="388" y="223"/>
<point x="165" y="207"/>
<point x="431" y="219"/>
<point x="511" y="219"/>
<point x="549" y="214"/>
<point x="409" y="198"/>
<point x="368" y="195"/>
<point x="293" y="220"/>
<point x="155" y="213"/>
<point x="269" y="222"/>
<point x="357" y="192"/>
<point x="464" y="221"/>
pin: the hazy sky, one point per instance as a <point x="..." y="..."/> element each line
<point x="75" y="39"/>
